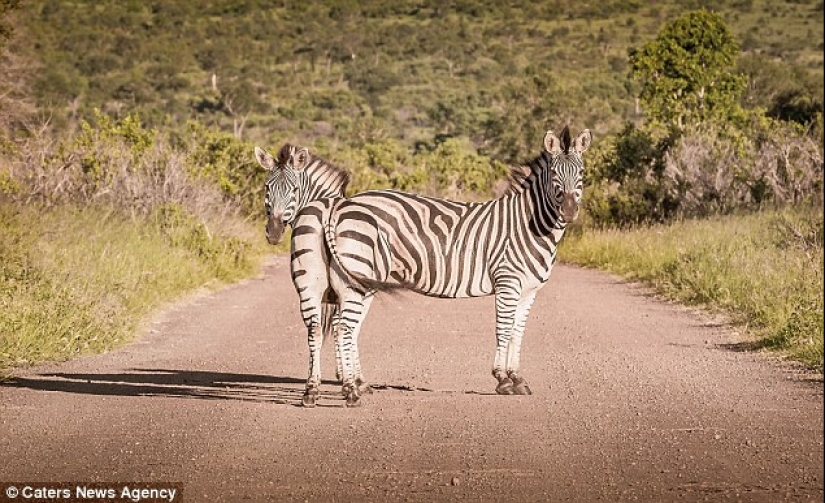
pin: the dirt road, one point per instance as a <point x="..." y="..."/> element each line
<point x="634" y="399"/>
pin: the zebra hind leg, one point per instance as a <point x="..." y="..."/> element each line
<point x="360" y="382"/>
<point x="349" y="388"/>
<point x="354" y="308"/>
<point x="313" y="387"/>
<point x="330" y="319"/>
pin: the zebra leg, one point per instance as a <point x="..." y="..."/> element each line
<point x="313" y="388"/>
<point x="514" y="348"/>
<point x="353" y="309"/>
<point x="330" y="318"/>
<point x="360" y="382"/>
<point x="317" y="300"/>
<point x="507" y="297"/>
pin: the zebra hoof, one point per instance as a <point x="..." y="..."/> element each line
<point x="520" y="387"/>
<point x="308" y="400"/>
<point x="363" y="386"/>
<point x="505" y="387"/>
<point x="353" y="399"/>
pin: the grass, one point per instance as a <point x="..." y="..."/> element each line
<point x="76" y="281"/>
<point x="764" y="270"/>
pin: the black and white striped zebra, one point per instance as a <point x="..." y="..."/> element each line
<point x="505" y="247"/>
<point x="298" y="193"/>
<point x="295" y="179"/>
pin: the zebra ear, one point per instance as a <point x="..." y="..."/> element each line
<point x="552" y="143"/>
<point x="264" y="159"/>
<point x="300" y="159"/>
<point x="583" y="141"/>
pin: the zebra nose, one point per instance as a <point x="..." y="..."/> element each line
<point x="569" y="207"/>
<point x="274" y="230"/>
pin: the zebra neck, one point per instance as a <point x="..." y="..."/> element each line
<point x="314" y="191"/>
<point x="543" y="218"/>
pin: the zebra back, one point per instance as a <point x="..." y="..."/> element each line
<point x="453" y="249"/>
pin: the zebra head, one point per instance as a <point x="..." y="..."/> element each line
<point x="566" y="171"/>
<point x="282" y="190"/>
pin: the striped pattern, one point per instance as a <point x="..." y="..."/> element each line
<point x="442" y="248"/>
<point x="297" y="178"/>
<point x="299" y="191"/>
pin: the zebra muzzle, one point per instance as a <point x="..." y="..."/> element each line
<point x="274" y="230"/>
<point x="569" y="208"/>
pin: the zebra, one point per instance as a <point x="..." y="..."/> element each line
<point x="506" y="247"/>
<point x="297" y="181"/>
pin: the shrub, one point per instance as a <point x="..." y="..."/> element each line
<point x="645" y="174"/>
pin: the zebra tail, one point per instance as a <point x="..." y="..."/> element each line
<point x="355" y="280"/>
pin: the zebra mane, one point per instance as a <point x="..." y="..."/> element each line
<point x="317" y="169"/>
<point x="523" y="175"/>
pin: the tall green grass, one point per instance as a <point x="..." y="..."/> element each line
<point x="764" y="270"/>
<point x="75" y="281"/>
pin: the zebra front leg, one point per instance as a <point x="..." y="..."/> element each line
<point x="315" y="340"/>
<point x="520" y="386"/>
<point x="507" y="297"/>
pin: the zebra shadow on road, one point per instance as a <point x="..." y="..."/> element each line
<point x="197" y="384"/>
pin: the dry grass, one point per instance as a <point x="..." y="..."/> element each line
<point x="765" y="270"/>
<point x="79" y="280"/>
<point x="99" y="228"/>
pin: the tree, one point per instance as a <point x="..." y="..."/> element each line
<point x="687" y="72"/>
<point x="527" y="106"/>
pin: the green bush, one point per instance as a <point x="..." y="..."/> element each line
<point x="227" y="162"/>
<point x="645" y="174"/>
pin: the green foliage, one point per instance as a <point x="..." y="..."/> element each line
<point x="450" y="167"/>
<point x="458" y="172"/>
<point x="85" y="287"/>
<point x="226" y="161"/>
<point x="786" y="91"/>
<point x="224" y="254"/>
<point x="686" y="73"/>
<point x="94" y="162"/>
<point x="500" y="74"/>
<point x="645" y="174"/>
<point x="626" y="178"/>
<point x="765" y="270"/>
<point x="526" y="103"/>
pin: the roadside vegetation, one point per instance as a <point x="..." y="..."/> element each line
<point x="102" y="227"/>
<point x="763" y="270"/>
<point x="127" y="128"/>
<point x="81" y="280"/>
